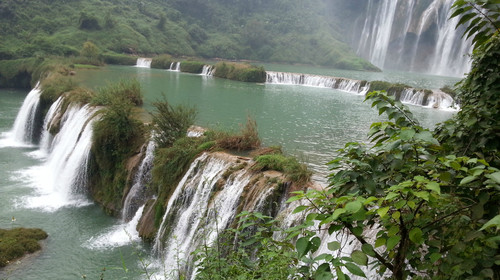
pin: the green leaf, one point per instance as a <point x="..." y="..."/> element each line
<point x="299" y="209"/>
<point x="491" y="223"/>
<point x="416" y="235"/>
<point x="434" y="257"/>
<point x="467" y="179"/>
<point x="368" y="249"/>
<point x="422" y="195"/>
<point x="495" y="177"/>
<point x="334" y="246"/>
<point x="391" y="195"/>
<point x="302" y="245"/>
<point x="353" y="206"/>
<point x="433" y="186"/>
<point x="380" y="242"/>
<point x="354" y="269"/>
<point x="323" y="272"/>
<point x="382" y="211"/>
<point x="359" y="257"/>
<point x="407" y="134"/>
<point x="392" y="242"/>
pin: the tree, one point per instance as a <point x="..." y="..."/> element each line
<point x="90" y="51"/>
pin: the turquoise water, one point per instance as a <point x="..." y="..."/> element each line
<point x="311" y="123"/>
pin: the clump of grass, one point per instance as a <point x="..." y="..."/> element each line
<point x="240" y="72"/>
<point x="118" y="59"/>
<point x="294" y="170"/>
<point x="16" y="242"/>
<point x="162" y="61"/>
<point x="248" y="138"/>
<point x="171" y="122"/>
<point x="54" y="86"/>
<point x="129" y="90"/>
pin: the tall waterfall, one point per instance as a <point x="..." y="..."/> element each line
<point x="136" y="196"/>
<point x="143" y="62"/>
<point x="24" y="130"/>
<point x="343" y="84"/>
<point x="62" y="178"/>
<point x="413" y="35"/>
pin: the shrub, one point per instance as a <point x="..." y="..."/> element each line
<point x="195" y="67"/>
<point x="162" y="62"/>
<point x="248" y="138"/>
<point x="171" y="123"/>
<point x="129" y="90"/>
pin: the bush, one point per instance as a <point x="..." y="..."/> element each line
<point x="162" y="62"/>
<point x="194" y="67"/>
<point x="127" y="90"/>
<point x="240" y="72"/>
<point x="248" y="138"/>
<point x="171" y="123"/>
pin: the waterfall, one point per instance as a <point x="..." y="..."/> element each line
<point x="24" y="130"/>
<point x="136" y="196"/>
<point x="208" y="70"/>
<point x="434" y="99"/>
<point x="143" y="62"/>
<point x="413" y="36"/>
<point x="118" y="235"/>
<point x="175" y="66"/>
<point x="343" y="84"/>
<point x="63" y="176"/>
<point x="200" y="207"/>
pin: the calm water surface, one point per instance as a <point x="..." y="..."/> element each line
<point x="311" y="123"/>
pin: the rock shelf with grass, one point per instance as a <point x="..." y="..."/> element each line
<point x="16" y="242"/>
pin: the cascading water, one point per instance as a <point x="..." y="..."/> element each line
<point x="136" y="196"/>
<point x="343" y="84"/>
<point x="208" y="70"/>
<point x="24" y="130"/>
<point x="199" y="209"/>
<point x="143" y="62"/>
<point x="413" y="36"/>
<point x="175" y="66"/>
<point x="62" y="178"/>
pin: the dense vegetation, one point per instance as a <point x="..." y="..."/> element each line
<point x="277" y="30"/>
<point x="16" y="242"/>
<point x="421" y="204"/>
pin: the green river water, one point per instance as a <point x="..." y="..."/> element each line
<point x="310" y="123"/>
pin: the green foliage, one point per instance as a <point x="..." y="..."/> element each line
<point x="54" y="86"/>
<point x="247" y="252"/>
<point x="240" y="72"/>
<point x="247" y="139"/>
<point x="16" y="242"/>
<point x="162" y="61"/>
<point x="482" y="18"/>
<point x="118" y="59"/>
<point x="90" y="54"/>
<point x="117" y="135"/>
<point x="127" y="91"/>
<point x="194" y="67"/>
<point x="295" y="171"/>
<point x="407" y="187"/>
<point x="171" y="123"/>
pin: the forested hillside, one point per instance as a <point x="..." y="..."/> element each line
<point x="274" y="30"/>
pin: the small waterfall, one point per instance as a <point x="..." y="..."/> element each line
<point x="208" y="70"/>
<point x="143" y="62"/>
<point x="136" y="196"/>
<point x="434" y="99"/>
<point x="200" y="208"/>
<point x="343" y="84"/>
<point x="119" y="235"/>
<point x="24" y="130"/>
<point x="63" y="176"/>
<point x="175" y="66"/>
